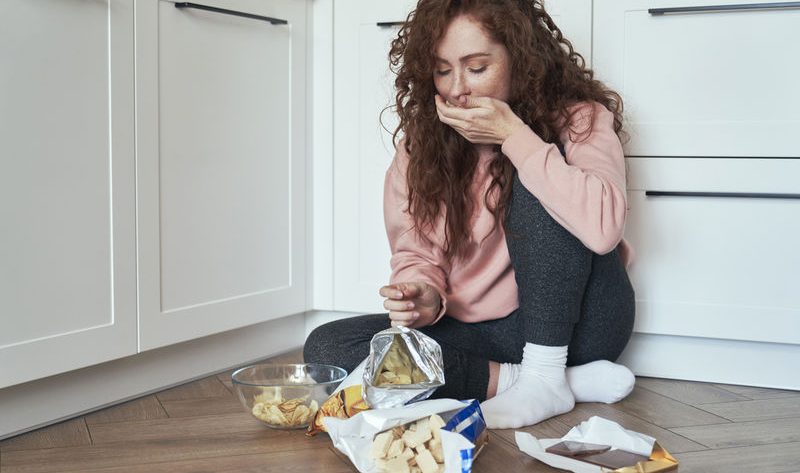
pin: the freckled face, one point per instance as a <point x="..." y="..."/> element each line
<point x="470" y="62"/>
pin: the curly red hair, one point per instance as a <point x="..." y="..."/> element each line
<point x="547" y="78"/>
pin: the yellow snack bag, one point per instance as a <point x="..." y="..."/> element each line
<point x="344" y="403"/>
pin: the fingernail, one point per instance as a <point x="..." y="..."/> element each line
<point x="410" y="305"/>
<point x="399" y="295"/>
<point x="415" y="315"/>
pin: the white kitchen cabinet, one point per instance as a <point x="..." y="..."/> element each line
<point x="700" y="81"/>
<point x="363" y="150"/>
<point x="221" y="166"/>
<point x="716" y="256"/>
<point x="67" y="205"/>
<point x="574" y="19"/>
<point x="363" y="86"/>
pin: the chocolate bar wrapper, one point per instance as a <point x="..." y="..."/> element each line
<point x="660" y="461"/>
<point x="598" y="430"/>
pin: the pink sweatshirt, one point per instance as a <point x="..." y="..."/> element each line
<point x="584" y="192"/>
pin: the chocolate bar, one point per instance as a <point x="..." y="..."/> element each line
<point x="614" y="459"/>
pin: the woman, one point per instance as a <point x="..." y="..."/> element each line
<point x="505" y="208"/>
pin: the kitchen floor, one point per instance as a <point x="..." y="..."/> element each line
<point x="201" y="427"/>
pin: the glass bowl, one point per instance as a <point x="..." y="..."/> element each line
<point x="286" y="396"/>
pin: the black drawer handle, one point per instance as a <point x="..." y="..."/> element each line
<point x="724" y="8"/>
<point x="746" y="195"/>
<point x="389" y="24"/>
<point x="274" y="21"/>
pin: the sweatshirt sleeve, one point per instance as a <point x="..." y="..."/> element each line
<point x="413" y="258"/>
<point x="584" y="191"/>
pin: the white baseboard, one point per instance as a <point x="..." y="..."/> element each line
<point x="42" y="402"/>
<point x="769" y="365"/>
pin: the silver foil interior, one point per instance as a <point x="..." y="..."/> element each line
<point x="425" y="353"/>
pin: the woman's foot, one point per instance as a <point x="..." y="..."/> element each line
<point x="539" y="392"/>
<point x="600" y="381"/>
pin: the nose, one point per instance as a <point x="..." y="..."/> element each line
<point x="458" y="88"/>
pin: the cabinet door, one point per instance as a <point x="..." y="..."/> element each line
<point x="574" y="19"/>
<point x="67" y="205"/>
<point x="221" y="165"/>
<point x="363" y="150"/>
<point x="699" y="81"/>
<point x="716" y="258"/>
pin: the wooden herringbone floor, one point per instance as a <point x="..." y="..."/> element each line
<point x="200" y="427"/>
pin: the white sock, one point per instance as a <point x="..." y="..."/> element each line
<point x="509" y="373"/>
<point x="598" y="381"/>
<point x="540" y="391"/>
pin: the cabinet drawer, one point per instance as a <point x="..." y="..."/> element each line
<point x="718" y="266"/>
<point x="703" y="83"/>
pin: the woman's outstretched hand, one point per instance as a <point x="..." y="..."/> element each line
<point x="411" y="304"/>
<point x="481" y="120"/>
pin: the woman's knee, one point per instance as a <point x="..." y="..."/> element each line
<point x="523" y="207"/>
<point x="343" y="342"/>
<point x="317" y="347"/>
<point x="538" y="243"/>
<point x="529" y="225"/>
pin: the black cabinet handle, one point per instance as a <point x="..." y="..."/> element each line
<point x="389" y="24"/>
<point x="274" y="21"/>
<point x="746" y="195"/>
<point x="724" y="8"/>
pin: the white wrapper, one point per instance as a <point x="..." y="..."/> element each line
<point x="353" y="436"/>
<point x="597" y="430"/>
<point x="425" y="353"/>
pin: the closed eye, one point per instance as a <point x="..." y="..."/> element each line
<point x="442" y="73"/>
<point x="478" y="71"/>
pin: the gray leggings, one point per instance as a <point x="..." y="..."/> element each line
<point x="568" y="295"/>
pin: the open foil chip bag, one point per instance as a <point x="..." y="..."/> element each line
<point x="404" y="366"/>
